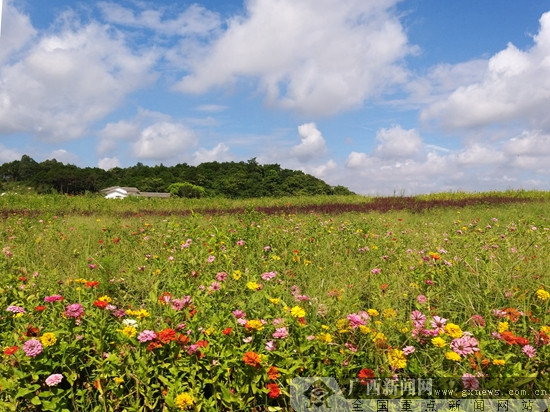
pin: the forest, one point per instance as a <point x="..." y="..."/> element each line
<point x="214" y="179"/>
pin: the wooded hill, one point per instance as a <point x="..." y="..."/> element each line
<point x="227" y="179"/>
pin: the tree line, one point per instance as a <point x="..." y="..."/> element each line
<point x="227" y="179"/>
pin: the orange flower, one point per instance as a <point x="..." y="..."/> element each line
<point x="273" y="373"/>
<point x="167" y="335"/>
<point x="365" y="376"/>
<point x="274" y="390"/>
<point x="253" y="359"/>
<point x="512" y="314"/>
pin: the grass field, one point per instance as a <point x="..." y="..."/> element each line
<point x="156" y="304"/>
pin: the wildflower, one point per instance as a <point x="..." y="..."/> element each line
<point x="529" y="351"/>
<point x="268" y="275"/>
<point x="297" y="312"/>
<point x="11" y="350"/>
<point x="499" y="362"/>
<point x="280" y="333"/>
<point x="253" y="285"/>
<point x="167" y="335"/>
<point x="130" y="322"/>
<point x="453" y="330"/>
<point x="373" y="312"/>
<point x="48" y="339"/>
<point x="15" y="309"/>
<point x="365" y="376"/>
<point x="376" y="271"/>
<point x="439" y="342"/>
<point x="438" y="324"/>
<point x="221" y="276"/>
<point x="74" y="310"/>
<point x="226" y="331"/>
<point x="273" y="373"/>
<point x="469" y="381"/>
<point x="397" y="359"/>
<point x="389" y="313"/>
<point x="100" y="304"/>
<point x="239" y="314"/>
<point x="91" y="284"/>
<point x="465" y="345"/>
<point x="421" y="299"/>
<point x="275" y="301"/>
<point x="407" y="350"/>
<point x="118" y="380"/>
<point x="214" y="286"/>
<point x="237" y="274"/>
<point x="32" y="348"/>
<point x="129" y="331"/>
<point x="54" y="379"/>
<point x="478" y="320"/>
<point x="252" y="359"/>
<point x="503" y="327"/>
<point x="355" y="320"/>
<point x="543" y="295"/>
<point x="453" y="356"/>
<point x="184" y="400"/>
<point x="140" y="313"/>
<point x="254" y="324"/>
<point x="274" y="390"/>
<point x="146" y="336"/>
<point x="418" y="319"/>
<point x="325" y="337"/>
<point x="270" y="345"/>
<point x="40" y="308"/>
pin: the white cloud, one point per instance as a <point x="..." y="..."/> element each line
<point x="164" y="140"/>
<point x="317" y="57"/>
<point x="397" y="142"/>
<point x="63" y="156"/>
<point x="112" y="133"/>
<point x="66" y="81"/>
<point x="9" y="155"/>
<point x="16" y="31"/>
<point x="312" y="145"/>
<point x="107" y="163"/>
<point x="194" y="21"/>
<point x="515" y="87"/>
<point x="219" y="153"/>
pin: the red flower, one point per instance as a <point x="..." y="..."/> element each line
<point x="167" y="335"/>
<point x="101" y="304"/>
<point x="202" y="343"/>
<point x="182" y="339"/>
<point x="226" y="331"/>
<point x="91" y="283"/>
<point x="365" y="376"/>
<point x="32" y="331"/>
<point x="164" y="298"/>
<point x="40" y="308"/>
<point x="116" y="240"/>
<point x="11" y="350"/>
<point x="154" y="345"/>
<point x="274" y="390"/>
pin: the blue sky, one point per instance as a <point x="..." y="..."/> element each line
<point x="381" y="96"/>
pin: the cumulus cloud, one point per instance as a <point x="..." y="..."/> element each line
<point x="317" y="57"/>
<point x="219" y="153"/>
<point x="164" y="140"/>
<point x="515" y="87"/>
<point x="9" y="155"/>
<point x="396" y="142"/>
<point x="60" y="85"/>
<point x="312" y="145"/>
<point x="107" y="163"/>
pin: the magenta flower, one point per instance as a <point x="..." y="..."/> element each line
<point x="469" y="381"/>
<point x="421" y="299"/>
<point x="211" y="259"/>
<point x="280" y="333"/>
<point x="53" y="298"/>
<point x="74" y="310"/>
<point x="466" y="345"/>
<point x="270" y="346"/>
<point x="147" y="336"/>
<point x="32" y="348"/>
<point x="478" y="320"/>
<point x="529" y="351"/>
<point x="221" y="276"/>
<point x="438" y="323"/>
<point x="239" y="314"/>
<point x="355" y="320"/>
<point x="214" y="286"/>
<point x="407" y="350"/>
<point x="418" y="318"/>
<point x="376" y="271"/>
<point x="268" y="275"/>
<point x="15" y="309"/>
<point x="240" y="242"/>
<point x="54" y="379"/>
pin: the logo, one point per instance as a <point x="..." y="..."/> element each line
<point x="316" y="394"/>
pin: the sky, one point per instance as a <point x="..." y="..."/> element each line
<point x="381" y="96"/>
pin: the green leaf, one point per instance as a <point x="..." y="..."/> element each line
<point x="36" y="401"/>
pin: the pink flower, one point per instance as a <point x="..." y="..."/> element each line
<point x="32" y="348"/>
<point x="418" y="318"/>
<point x="355" y="320"/>
<point x="407" y="350"/>
<point x="421" y="299"/>
<point x="15" y="309"/>
<point x="529" y="351"/>
<point x="214" y="286"/>
<point x="438" y="323"/>
<point x="221" y="276"/>
<point x="376" y="271"/>
<point x="211" y="259"/>
<point x="74" y="310"/>
<point x="469" y="381"/>
<point x="53" y="298"/>
<point x="268" y="275"/>
<point x="54" y="379"/>
<point x="240" y="242"/>
<point x="281" y="333"/>
<point x="147" y="336"/>
<point x="239" y="314"/>
<point x="478" y="320"/>
<point x="466" y="345"/>
<point x="270" y="346"/>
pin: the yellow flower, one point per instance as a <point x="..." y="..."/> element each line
<point x="364" y="329"/>
<point x="439" y="342"/>
<point x="453" y="356"/>
<point x="342" y="323"/>
<point x="389" y="313"/>
<point x="48" y="339"/>
<point x="503" y="327"/>
<point x="80" y="280"/>
<point x="379" y="337"/>
<point x="275" y="257"/>
<point x="325" y="327"/>
<point x="397" y="359"/>
<point x="129" y="331"/>
<point x="543" y="295"/>
<point x="325" y="337"/>
<point x="254" y="324"/>
<point x="453" y="330"/>
<point x="237" y="274"/>
<point x="275" y="301"/>
<point x="252" y="285"/>
<point x="499" y="362"/>
<point x="140" y="313"/>
<point x="545" y="330"/>
<point x="184" y="400"/>
<point x="118" y="380"/>
<point x="373" y="312"/>
<point x="105" y="299"/>
<point x="298" y="312"/>
<point x="404" y="330"/>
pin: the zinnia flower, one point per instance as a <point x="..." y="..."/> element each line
<point x="15" y="309"/>
<point x="32" y="348"/>
<point x="365" y="376"/>
<point x="543" y="295"/>
<point x="147" y="336"/>
<point x="53" y="298"/>
<point x="469" y="381"/>
<point x="273" y="373"/>
<point x="54" y="379"/>
<point x="48" y="339"/>
<point x="453" y="356"/>
<point x="453" y="330"/>
<point x="529" y="351"/>
<point x="274" y="390"/>
<point x="74" y="310"/>
<point x="11" y="350"/>
<point x="281" y="333"/>
<point x="252" y="359"/>
<point x="297" y="312"/>
<point x="184" y="400"/>
<point x="397" y="359"/>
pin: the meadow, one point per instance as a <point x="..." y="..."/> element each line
<point x="174" y="304"/>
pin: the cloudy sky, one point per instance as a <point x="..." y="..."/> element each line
<point x="381" y="96"/>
